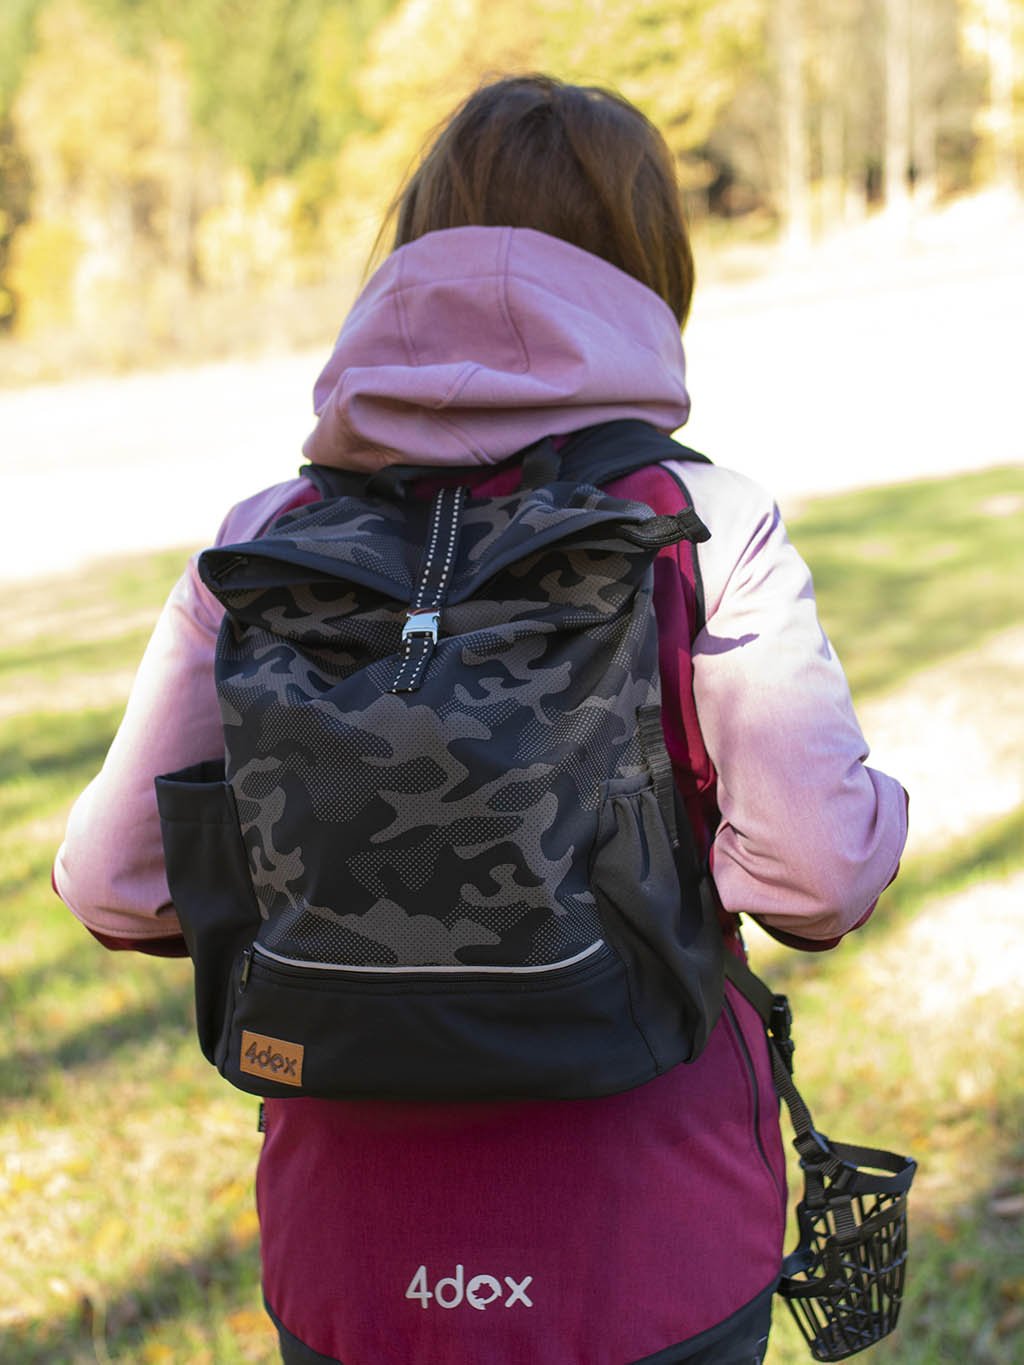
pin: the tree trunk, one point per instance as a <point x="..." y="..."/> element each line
<point x="793" y="120"/>
<point x="925" y="157"/>
<point x="897" y="107"/>
<point x="999" y="22"/>
<point x="833" y="159"/>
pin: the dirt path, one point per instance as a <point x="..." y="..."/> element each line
<point x="869" y="361"/>
<point x="953" y="734"/>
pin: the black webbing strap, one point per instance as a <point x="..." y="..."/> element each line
<point x="422" y="625"/>
<point x="595" y="455"/>
<point x="611" y="450"/>
<point x="334" y="483"/>
<point x="652" y="741"/>
<point x="820" y="1161"/>
<point x="834" y="1172"/>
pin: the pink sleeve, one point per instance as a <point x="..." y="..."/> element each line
<point x="809" y="835"/>
<point x="110" y="869"/>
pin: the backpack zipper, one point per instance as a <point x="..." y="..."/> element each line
<point x="505" y="976"/>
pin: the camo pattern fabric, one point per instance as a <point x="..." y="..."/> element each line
<point x="451" y="826"/>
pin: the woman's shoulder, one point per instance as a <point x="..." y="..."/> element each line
<point x="724" y="494"/>
<point x="747" y="531"/>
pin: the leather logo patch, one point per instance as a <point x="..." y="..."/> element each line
<point x="273" y="1059"/>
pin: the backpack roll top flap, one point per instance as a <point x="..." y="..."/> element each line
<point x="210" y="885"/>
<point x="376" y="545"/>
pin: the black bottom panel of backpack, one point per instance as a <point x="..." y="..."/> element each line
<point x="568" y="1034"/>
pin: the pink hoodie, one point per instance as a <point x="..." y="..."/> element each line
<point x="644" y="1218"/>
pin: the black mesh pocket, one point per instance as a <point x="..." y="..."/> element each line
<point x="208" y="876"/>
<point x="661" y="921"/>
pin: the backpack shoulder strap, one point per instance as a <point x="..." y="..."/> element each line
<point x="596" y="455"/>
<point x="610" y="450"/>
<point x="334" y="483"/>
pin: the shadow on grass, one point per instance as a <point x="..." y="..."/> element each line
<point x="28" y="1072"/>
<point x="44" y="744"/>
<point x="909" y="574"/>
<point x="985" y="855"/>
<point x="77" y="968"/>
<point x="203" y="1288"/>
<point x="46" y="760"/>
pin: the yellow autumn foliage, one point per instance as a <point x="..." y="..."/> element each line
<point x="41" y="273"/>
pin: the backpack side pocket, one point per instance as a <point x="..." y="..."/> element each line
<point x="208" y="876"/>
<point x="664" y="928"/>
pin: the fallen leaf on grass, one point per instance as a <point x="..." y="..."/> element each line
<point x="1008" y="1206"/>
<point x="231" y="1193"/>
<point x="944" y="1231"/>
<point x="21" y="1313"/>
<point x="158" y="1354"/>
<point x="246" y="1322"/>
<point x="962" y="1272"/>
<point x="246" y="1226"/>
<point x="1011" y="1321"/>
<point x="110" y="1236"/>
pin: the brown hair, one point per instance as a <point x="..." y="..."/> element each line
<point x="576" y="162"/>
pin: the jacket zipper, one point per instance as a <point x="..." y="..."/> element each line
<point x="748" y="1062"/>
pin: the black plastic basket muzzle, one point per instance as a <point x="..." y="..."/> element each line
<point x="844" y="1282"/>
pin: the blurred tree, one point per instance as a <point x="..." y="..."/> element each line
<point x="682" y="61"/>
<point x="795" y="192"/>
<point x="17" y="26"/>
<point x="250" y="65"/>
<point x="93" y="124"/>
<point x="169" y="144"/>
<point x="272" y="94"/>
<point x="897" y="106"/>
<point x="86" y="114"/>
<point x="937" y="90"/>
<point x="337" y="53"/>
<point x="842" y="69"/>
<point x="996" y="32"/>
<point x="14" y="208"/>
<point x="334" y="60"/>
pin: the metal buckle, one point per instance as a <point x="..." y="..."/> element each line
<point x="422" y="623"/>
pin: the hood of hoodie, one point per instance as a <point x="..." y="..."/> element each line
<point x="471" y="343"/>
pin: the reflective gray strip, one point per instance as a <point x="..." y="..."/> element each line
<point x="417" y="971"/>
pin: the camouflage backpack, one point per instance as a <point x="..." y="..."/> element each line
<point x="443" y="857"/>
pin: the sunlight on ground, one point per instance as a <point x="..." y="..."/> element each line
<point x="955" y="738"/>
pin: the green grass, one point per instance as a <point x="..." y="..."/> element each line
<point x="945" y="1085"/>
<point x="126" y="1164"/>
<point x="909" y="574"/>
